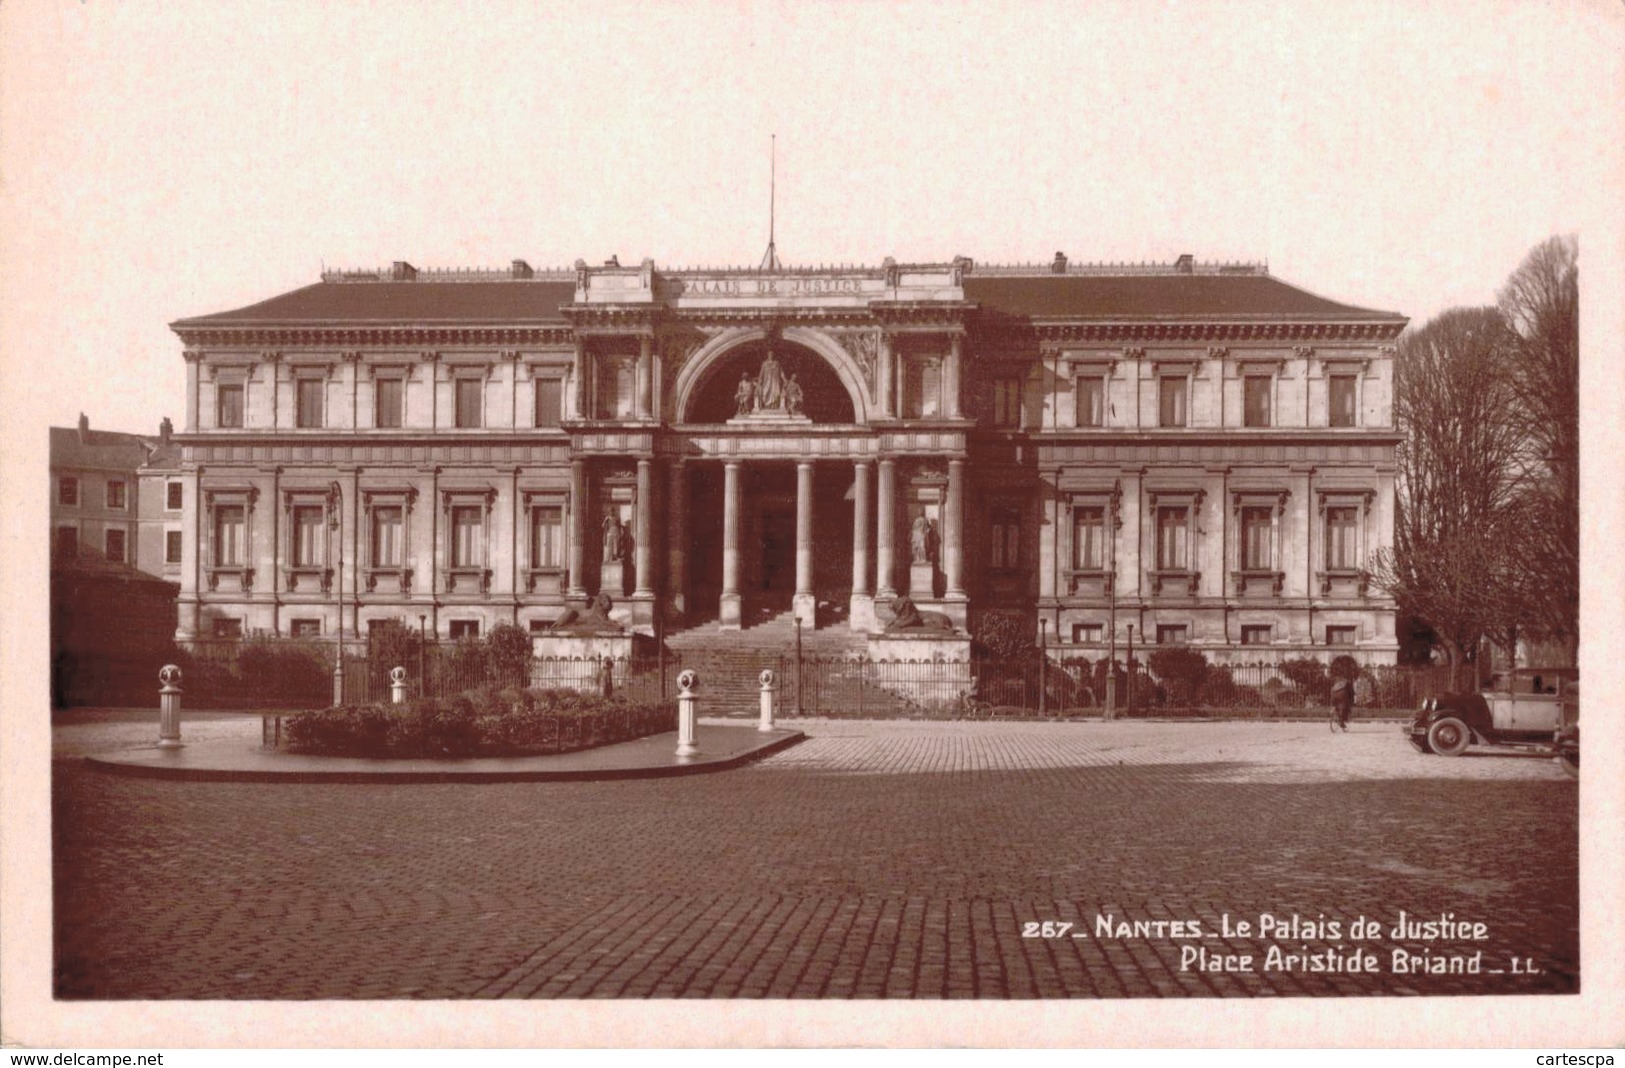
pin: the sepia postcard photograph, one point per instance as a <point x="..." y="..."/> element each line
<point x="805" y="524"/>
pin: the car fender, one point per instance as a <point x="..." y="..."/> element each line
<point x="1470" y="708"/>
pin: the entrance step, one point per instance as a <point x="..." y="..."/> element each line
<point x="776" y="635"/>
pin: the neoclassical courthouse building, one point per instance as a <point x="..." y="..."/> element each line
<point x="1202" y="452"/>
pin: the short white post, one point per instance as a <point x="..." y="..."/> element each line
<point x="770" y="693"/>
<point x="687" y="682"/>
<point x="397" y="685"/>
<point x="169" y="707"/>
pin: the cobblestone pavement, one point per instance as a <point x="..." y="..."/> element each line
<point x="873" y="860"/>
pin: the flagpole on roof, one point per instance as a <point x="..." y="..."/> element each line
<point x="770" y="260"/>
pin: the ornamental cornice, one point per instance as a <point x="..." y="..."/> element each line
<point x="1217" y="331"/>
<point x="405" y="335"/>
<point x="613" y="318"/>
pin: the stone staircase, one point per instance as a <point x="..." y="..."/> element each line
<point x="730" y="664"/>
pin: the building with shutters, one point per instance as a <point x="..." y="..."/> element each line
<point x="1204" y="453"/>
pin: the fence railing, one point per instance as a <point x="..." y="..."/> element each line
<point x="299" y="674"/>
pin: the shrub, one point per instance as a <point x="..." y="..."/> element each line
<point x="1218" y="688"/>
<point x="1309" y="676"/>
<point x="1005" y="636"/>
<point x="487" y="721"/>
<point x="1180" y="672"/>
<point x="508" y="655"/>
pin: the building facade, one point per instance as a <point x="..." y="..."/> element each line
<point x="117" y="497"/>
<point x="1202" y="453"/>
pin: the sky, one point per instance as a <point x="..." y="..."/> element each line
<point x="169" y="160"/>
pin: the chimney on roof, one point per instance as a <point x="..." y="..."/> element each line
<point x="521" y="269"/>
<point x="84" y="427"/>
<point x="613" y="261"/>
<point x="1186" y="264"/>
<point x="1059" y="265"/>
<point x="401" y="271"/>
<point x="165" y="430"/>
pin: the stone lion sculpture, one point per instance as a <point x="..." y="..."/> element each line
<point x="594" y="619"/>
<point x="907" y="618"/>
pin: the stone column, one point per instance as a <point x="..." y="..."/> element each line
<point x="641" y="379"/>
<point x="578" y="530"/>
<point x="884" y="376"/>
<point x="805" y="602"/>
<point x="677" y="539"/>
<point x="953" y="542"/>
<point x="950" y="379"/>
<point x="643" y="537"/>
<point x="886" y="514"/>
<point x="728" y="612"/>
<point x="578" y="382"/>
<point x="861" y="614"/>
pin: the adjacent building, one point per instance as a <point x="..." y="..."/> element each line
<point x="1204" y="453"/>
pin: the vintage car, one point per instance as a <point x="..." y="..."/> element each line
<point x="1525" y="708"/>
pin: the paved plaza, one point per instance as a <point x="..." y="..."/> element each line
<point x="875" y="859"/>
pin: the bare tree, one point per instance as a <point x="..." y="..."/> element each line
<point x="1461" y="465"/>
<point x="1541" y="303"/>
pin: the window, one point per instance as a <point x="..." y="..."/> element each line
<point x="228" y="404"/>
<point x="67" y="541"/>
<point x="67" y="491"/>
<point x="174" y="495"/>
<point x="1089" y="539"/>
<point x="1088" y="633"/>
<point x="547" y="536"/>
<point x="549" y="401"/>
<point x="307" y="536"/>
<point x="310" y="392"/>
<point x="389" y="403"/>
<point x="387" y="536"/>
<point x="470" y="394"/>
<point x="1004" y="552"/>
<point x="1173" y="539"/>
<point x="1171" y="396"/>
<point x="230" y="531"/>
<point x="172" y="547"/>
<point x="115" y="546"/>
<point x="1255" y="634"/>
<point x="228" y="628"/>
<point x="464" y="629"/>
<point x="466" y="536"/>
<point x="1256" y="554"/>
<point x="115" y="493"/>
<point x="1340" y="635"/>
<point x="922" y="386"/>
<point x="1340" y="400"/>
<point x="305" y="628"/>
<point x="1172" y="634"/>
<point x="1341" y="538"/>
<point x="1007" y="402"/>
<point x="1091" y="398"/>
<point x="1256" y="400"/>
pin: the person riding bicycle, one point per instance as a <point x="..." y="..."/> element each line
<point x="1342" y="704"/>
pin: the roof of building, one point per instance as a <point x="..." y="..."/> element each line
<point x="1157" y="296"/>
<point x="106" y="449"/>
<point x="1176" y="291"/>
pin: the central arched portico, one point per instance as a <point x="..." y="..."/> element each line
<point x="698" y="374"/>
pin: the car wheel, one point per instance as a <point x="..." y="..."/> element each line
<point x="1449" y="736"/>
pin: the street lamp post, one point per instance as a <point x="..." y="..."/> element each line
<point x="335" y="500"/>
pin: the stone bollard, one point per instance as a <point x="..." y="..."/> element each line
<point x="169" y="707"/>
<point x="687" y="683"/>
<point x="770" y="693"/>
<point x="397" y="685"/>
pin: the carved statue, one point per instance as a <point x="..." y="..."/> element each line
<point x="614" y="538"/>
<point x="770" y="385"/>
<point x="744" y="396"/>
<point x="792" y="396"/>
<point x="906" y="617"/>
<point x="923" y="540"/>
<point x="594" y="619"/>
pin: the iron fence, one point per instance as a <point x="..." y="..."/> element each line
<point x="299" y="674"/>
